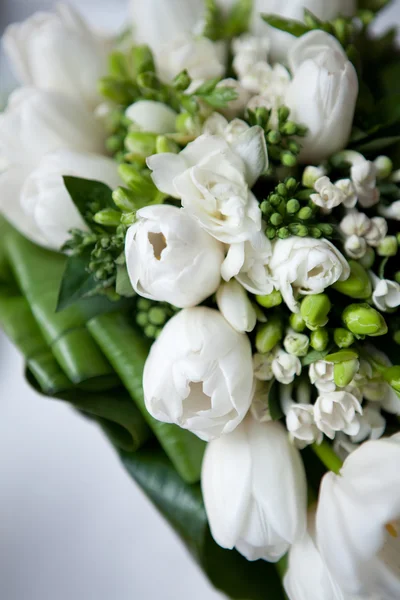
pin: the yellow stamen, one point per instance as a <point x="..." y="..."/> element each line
<point x="392" y="531"/>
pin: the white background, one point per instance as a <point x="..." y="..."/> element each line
<point x="73" y="526"/>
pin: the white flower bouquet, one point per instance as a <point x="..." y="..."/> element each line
<point x="199" y="251"/>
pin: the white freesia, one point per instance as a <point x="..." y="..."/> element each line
<point x="285" y="367"/>
<point x="359" y="513"/>
<point x="361" y="232"/>
<point x="248" y="262"/>
<point x="363" y="175"/>
<point x="386" y="294"/>
<point x="254" y="490"/>
<point x="372" y="424"/>
<point x="170" y="258"/>
<point x="214" y="180"/>
<point x="328" y="195"/>
<point x="281" y="42"/>
<point x="159" y="22"/>
<point x="390" y="212"/>
<point x="322" y="95"/>
<point x="355" y="247"/>
<point x="235" y="306"/>
<point x="152" y="116"/>
<point x="249" y="50"/>
<point x="300" y="423"/>
<point x="337" y="411"/>
<point x="44" y="197"/>
<point x="266" y="80"/>
<point x="390" y="400"/>
<point x="296" y="343"/>
<point x="321" y="375"/>
<point x="377" y="231"/>
<point x="58" y="51"/>
<point x="306" y="266"/>
<point x="34" y="124"/>
<point x="199" y="56"/>
<point x="237" y="106"/>
<point x="349" y="191"/>
<point x="199" y="374"/>
<point x="217" y="124"/>
<point x="355" y="223"/>
<point x="262" y="364"/>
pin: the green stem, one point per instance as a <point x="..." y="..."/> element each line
<point x="282" y="567"/>
<point x="326" y="454"/>
<point x="382" y="267"/>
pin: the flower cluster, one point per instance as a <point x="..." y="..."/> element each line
<point x="227" y="183"/>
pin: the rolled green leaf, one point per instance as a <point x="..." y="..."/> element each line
<point x="182" y="505"/>
<point x="38" y="274"/>
<point x="127" y="351"/>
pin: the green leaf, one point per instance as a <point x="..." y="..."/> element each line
<point x="213" y="20"/>
<point x="182" y="505"/>
<point x="127" y="351"/>
<point x="123" y="285"/>
<point x="238" y="21"/>
<point x="77" y="282"/>
<point x="84" y="192"/>
<point x="296" y="28"/>
<point x="315" y="355"/>
<point x="373" y="5"/>
<point x="220" y="97"/>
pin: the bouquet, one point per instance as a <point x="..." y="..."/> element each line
<point x="199" y="251"/>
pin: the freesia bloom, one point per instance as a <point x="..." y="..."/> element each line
<point x="170" y="258"/>
<point x="199" y="374"/>
<point x="262" y="364"/>
<point x="306" y="266"/>
<point x="152" y="116"/>
<point x="329" y="195"/>
<point x="322" y="95"/>
<point x="214" y="180"/>
<point x="337" y="411"/>
<point x="217" y="124"/>
<point x="254" y="490"/>
<point x="45" y="200"/>
<point x="285" y="367"/>
<point x="359" y="513"/>
<point x="386" y="294"/>
<point x="34" y="124"/>
<point x="321" y="375"/>
<point x="235" y="306"/>
<point x="58" y="51"/>
<point x="363" y="175"/>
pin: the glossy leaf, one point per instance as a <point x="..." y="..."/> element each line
<point x="76" y="283"/>
<point x="84" y="192"/>
<point x="296" y="28"/>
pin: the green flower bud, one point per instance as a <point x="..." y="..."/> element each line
<point x="268" y="335"/>
<point x="142" y="60"/>
<point x="274" y="137"/>
<point x="343" y="338"/>
<point x="368" y="259"/>
<point x="319" y="339"/>
<point x="157" y="316"/>
<point x="325" y="229"/>
<point x="283" y="233"/>
<point x="270" y="233"/>
<point x="271" y="300"/>
<point x="281" y="190"/>
<point x="182" y="81"/>
<point x="108" y="217"/>
<point x="388" y="246"/>
<point x="143" y="304"/>
<point x="150" y="331"/>
<point x="358" y="285"/>
<point x="124" y="199"/>
<point x="288" y="159"/>
<point x="298" y="229"/>
<point x="118" y="90"/>
<point x="392" y="377"/>
<point x="396" y="337"/>
<point x="276" y="200"/>
<point x="315" y="310"/>
<point x="128" y="219"/>
<point x="291" y="184"/>
<point x="289" y="128"/>
<point x="315" y="232"/>
<point x="141" y="144"/>
<point x="293" y="206"/>
<point x="344" y="372"/>
<point x="283" y="114"/>
<point x="305" y="213"/>
<point x="163" y="144"/>
<point x="294" y="147"/>
<point x="297" y="322"/>
<point x="362" y="319"/>
<point x="142" y="319"/>
<point x="397" y="277"/>
<point x="296" y="343"/>
<point x="266" y="207"/>
<point x="276" y="219"/>
<point x="384" y="166"/>
<point x="184" y="123"/>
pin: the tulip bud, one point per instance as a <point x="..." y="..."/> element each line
<point x="358" y="285"/>
<point x="344" y="372"/>
<point x="269" y="334"/>
<point x="362" y="319"/>
<point x="388" y="246"/>
<point x="319" y="339"/>
<point x="315" y="309"/>
<point x="271" y="300"/>
<point x="343" y="338"/>
<point x="296" y="343"/>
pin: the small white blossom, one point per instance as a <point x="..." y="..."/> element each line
<point x="390" y="212"/>
<point x="349" y="191"/>
<point x="355" y="247"/>
<point x="285" y="367"/>
<point x="362" y="232"/>
<point x="328" y="194"/>
<point x="363" y="175"/>
<point x="355" y="223"/>
<point x="377" y="231"/>
<point x="300" y="423"/>
<point x="296" y="343"/>
<point x="217" y="124"/>
<point x="372" y="425"/>
<point x="262" y="365"/>
<point x="311" y="175"/>
<point x="337" y="411"/>
<point x="386" y="294"/>
<point x="249" y="50"/>
<point x="321" y="375"/>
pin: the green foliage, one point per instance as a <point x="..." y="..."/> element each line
<point x="151" y="316"/>
<point x="218" y="26"/>
<point x="296" y="28"/>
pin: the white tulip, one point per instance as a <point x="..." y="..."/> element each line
<point x="217" y="124"/>
<point x="248" y="262"/>
<point x="151" y="116"/>
<point x="281" y="42"/>
<point x="213" y="180"/>
<point x="159" y="22"/>
<point x="358" y="513"/>
<point x="254" y="490"/>
<point x="199" y="374"/>
<point x="34" y="124"/>
<point x="199" y="56"/>
<point x="235" y="306"/>
<point x="337" y="411"/>
<point x="390" y="212"/>
<point x="285" y="367"/>
<point x="321" y="375"/>
<point x="306" y="266"/>
<point x="170" y="258"/>
<point x="363" y="175"/>
<point x="46" y="201"/>
<point x="386" y="294"/>
<point x="58" y="51"/>
<point x="262" y="364"/>
<point x="322" y="95"/>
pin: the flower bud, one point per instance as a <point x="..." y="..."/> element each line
<point x="344" y="372"/>
<point x="296" y="343"/>
<point x="384" y="166"/>
<point x="141" y="144"/>
<point x="163" y="144"/>
<point x="358" y="285"/>
<point x="297" y="322"/>
<point x="392" y="377"/>
<point x="368" y="259"/>
<point x="311" y="176"/>
<point x="362" y="319"/>
<point x="315" y="309"/>
<point x="319" y="339"/>
<point x="343" y="338"/>
<point x="268" y="335"/>
<point x="108" y="217"/>
<point x="388" y="246"/>
<point x="270" y="300"/>
<point x="124" y="199"/>
<point x="235" y="306"/>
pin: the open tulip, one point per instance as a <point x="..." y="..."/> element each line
<point x="199" y="374"/>
<point x="357" y="522"/>
<point x="170" y="258"/>
<point x="322" y="95"/>
<point x="34" y="124"/>
<point x="254" y="490"/>
<point x="58" y="51"/>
